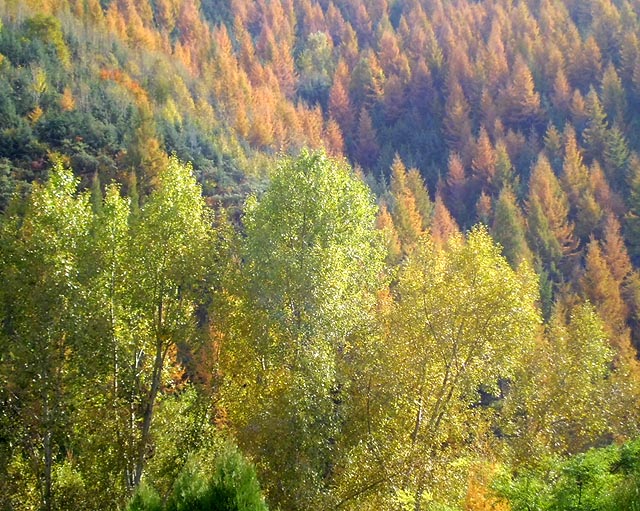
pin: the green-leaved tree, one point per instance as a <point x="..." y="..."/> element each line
<point x="311" y="262"/>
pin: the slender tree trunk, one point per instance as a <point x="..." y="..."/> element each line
<point x="148" y="412"/>
<point x="131" y="452"/>
<point x="48" y="456"/>
<point x="419" y="492"/>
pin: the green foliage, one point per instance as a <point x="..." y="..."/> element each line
<point x="509" y="230"/>
<point x="130" y="331"/>
<point x="145" y="499"/>
<point x="605" y="479"/>
<point x="616" y="158"/>
<point x="183" y="424"/>
<point x="596" y="132"/>
<point x="315" y="64"/>
<point x="94" y="311"/>
<point x="48" y="29"/>
<point x="233" y="486"/>
<point x="7" y="184"/>
<point x="312" y="252"/>
<point x="559" y="403"/>
<point x="42" y="252"/>
<point x="312" y="259"/>
<point x="70" y="489"/>
<point x="167" y="265"/>
<point x="226" y="482"/>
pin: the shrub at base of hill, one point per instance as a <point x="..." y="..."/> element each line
<point x="145" y="499"/>
<point x="604" y="479"/>
<point x="226" y="483"/>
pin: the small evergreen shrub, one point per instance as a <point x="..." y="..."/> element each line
<point x="228" y="483"/>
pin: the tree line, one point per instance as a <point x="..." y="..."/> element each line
<point x="518" y="115"/>
<point x="141" y="333"/>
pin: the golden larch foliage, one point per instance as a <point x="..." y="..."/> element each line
<point x="483" y="163"/>
<point x="615" y="251"/>
<point x="479" y="495"/>
<point x="384" y="223"/>
<point x="443" y="226"/>
<point x="546" y="194"/>
<point x="600" y="287"/>
<point x="67" y="103"/>
<point x="333" y="139"/>
<point x="406" y="216"/>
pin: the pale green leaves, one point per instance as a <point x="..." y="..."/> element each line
<point x="312" y="259"/>
<point x="94" y="302"/>
<point x="312" y="252"/>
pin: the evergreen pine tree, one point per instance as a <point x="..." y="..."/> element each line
<point x="595" y="133"/>
<point x="550" y="233"/>
<point x="616" y="157"/>
<point x="425" y="206"/>
<point x="508" y="229"/>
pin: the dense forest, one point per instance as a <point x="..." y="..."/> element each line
<point x="320" y="254"/>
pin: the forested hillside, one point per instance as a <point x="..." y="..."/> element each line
<point x="379" y="254"/>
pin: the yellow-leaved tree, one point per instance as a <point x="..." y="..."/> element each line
<point x="461" y="322"/>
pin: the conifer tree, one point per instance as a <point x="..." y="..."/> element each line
<point x="561" y="98"/>
<point x="608" y="29"/>
<point x="443" y="227"/>
<point x="340" y="107"/>
<point x="614" y="101"/>
<point x="406" y="215"/>
<point x="585" y="63"/>
<point x="554" y="147"/>
<point x="616" y="157"/>
<point x="483" y="163"/>
<point x="607" y="200"/>
<point x="628" y="55"/>
<point x="496" y="64"/>
<point x="575" y="178"/>
<point x="484" y="208"/>
<point x="632" y="216"/>
<point x="367" y="148"/>
<point x="520" y="101"/>
<point x="367" y="80"/>
<point x="384" y="223"/>
<point x="578" y="110"/>
<point x="333" y="138"/>
<point x="392" y="60"/>
<point x="600" y="287"/>
<point x="615" y="251"/>
<point x="457" y="124"/>
<point x="505" y="173"/>
<point x="489" y="110"/>
<point x="457" y="186"/>
<point x="550" y="232"/>
<point x="394" y="98"/>
<point x="424" y="204"/>
<point x="421" y="93"/>
<point x="508" y="229"/>
<point x="595" y="133"/>
<point x="145" y="155"/>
